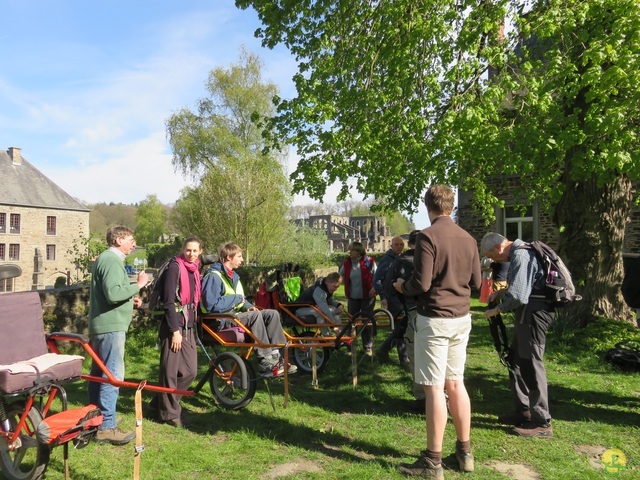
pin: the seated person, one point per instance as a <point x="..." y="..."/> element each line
<point x="320" y="294"/>
<point x="222" y="292"/>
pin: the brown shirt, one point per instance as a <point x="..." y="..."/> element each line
<point x="446" y="268"/>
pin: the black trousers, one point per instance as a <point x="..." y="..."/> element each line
<point x="528" y="376"/>
<point x="364" y="306"/>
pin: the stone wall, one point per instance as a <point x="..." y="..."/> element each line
<point x="632" y="233"/>
<point x="545" y="229"/>
<point x="67" y="309"/>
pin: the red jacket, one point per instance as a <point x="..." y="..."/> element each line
<point x="365" y="272"/>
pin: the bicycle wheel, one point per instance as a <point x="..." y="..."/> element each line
<point x="382" y="317"/>
<point x="303" y="356"/>
<point x="27" y="458"/>
<point x="232" y="381"/>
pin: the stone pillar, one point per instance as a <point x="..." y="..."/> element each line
<point x="38" y="274"/>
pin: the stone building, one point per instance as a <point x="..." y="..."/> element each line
<point x="39" y="223"/>
<point x="371" y="230"/>
<point x="535" y="224"/>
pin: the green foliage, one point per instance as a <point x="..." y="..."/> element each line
<point x="151" y="218"/>
<point x="398" y="94"/>
<point x="389" y="95"/>
<point x="60" y="282"/>
<point x="82" y="254"/>
<point x="157" y="253"/>
<point x="398" y="223"/>
<point x="338" y="258"/>
<point x="242" y="193"/>
<point x="103" y="216"/>
<point x="597" y="337"/>
<point x="301" y="245"/>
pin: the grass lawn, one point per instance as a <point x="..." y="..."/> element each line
<point x="338" y="432"/>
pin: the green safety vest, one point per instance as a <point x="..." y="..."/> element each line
<point x="229" y="290"/>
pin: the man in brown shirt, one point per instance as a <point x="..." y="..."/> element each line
<point x="446" y="269"/>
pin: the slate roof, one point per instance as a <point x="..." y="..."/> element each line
<point x="24" y="185"/>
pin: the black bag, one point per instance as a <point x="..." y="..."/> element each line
<point x="558" y="286"/>
<point x="626" y="355"/>
<point x="154" y="300"/>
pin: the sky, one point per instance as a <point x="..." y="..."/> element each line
<point x="86" y="87"/>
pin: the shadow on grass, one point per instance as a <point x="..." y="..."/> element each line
<point x="486" y="381"/>
<point x="281" y="430"/>
<point x="566" y="403"/>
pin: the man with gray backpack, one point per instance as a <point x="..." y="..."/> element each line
<point x="532" y="298"/>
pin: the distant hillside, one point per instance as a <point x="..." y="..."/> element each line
<point x="103" y="216"/>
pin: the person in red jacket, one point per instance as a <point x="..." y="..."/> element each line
<point x="357" y="275"/>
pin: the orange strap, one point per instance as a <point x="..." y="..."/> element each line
<point x="139" y="446"/>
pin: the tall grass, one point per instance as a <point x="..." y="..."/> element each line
<point x="336" y="432"/>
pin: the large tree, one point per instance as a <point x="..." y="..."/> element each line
<point x="242" y="192"/>
<point x="396" y="94"/>
<point x="151" y="218"/>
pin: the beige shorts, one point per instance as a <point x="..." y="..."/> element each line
<point x="440" y="349"/>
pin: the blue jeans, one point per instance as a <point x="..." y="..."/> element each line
<point x="110" y="348"/>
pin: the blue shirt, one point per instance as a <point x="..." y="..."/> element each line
<point x="524" y="273"/>
<point x="385" y="262"/>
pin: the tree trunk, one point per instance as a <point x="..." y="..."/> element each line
<point x="592" y="220"/>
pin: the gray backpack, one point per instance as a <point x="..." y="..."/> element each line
<point x="557" y="286"/>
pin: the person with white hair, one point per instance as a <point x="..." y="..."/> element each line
<point x="533" y="316"/>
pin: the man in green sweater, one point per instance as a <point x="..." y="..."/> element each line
<point x="113" y="298"/>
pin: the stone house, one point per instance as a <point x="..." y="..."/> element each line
<point x="534" y="224"/>
<point x="39" y="223"/>
<point x="371" y="230"/>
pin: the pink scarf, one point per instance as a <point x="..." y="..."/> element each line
<point x="185" y="290"/>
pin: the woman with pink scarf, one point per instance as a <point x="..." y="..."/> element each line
<point x="178" y="356"/>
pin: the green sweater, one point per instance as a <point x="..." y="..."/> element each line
<point x="111" y="301"/>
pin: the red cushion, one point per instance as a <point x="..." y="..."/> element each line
<point x="64" y="426"/>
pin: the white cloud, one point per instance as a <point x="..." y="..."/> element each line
<point x="134" y="171"/>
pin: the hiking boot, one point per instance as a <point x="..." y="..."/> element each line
<point x="368" y="351"/>
<point x="114" y="436"/>
<point x="423" y="467"/>
<point x="515" y="418"/>
<point x="175" y="422"/>
<point x="265" y="365"/>
<point x="277" y="370"/>
<point x="405" y="362"/>
<point x="465" y="461"/>
<point x="531" y="429"/>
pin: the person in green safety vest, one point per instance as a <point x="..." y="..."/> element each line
<point x="222" y="292"/>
